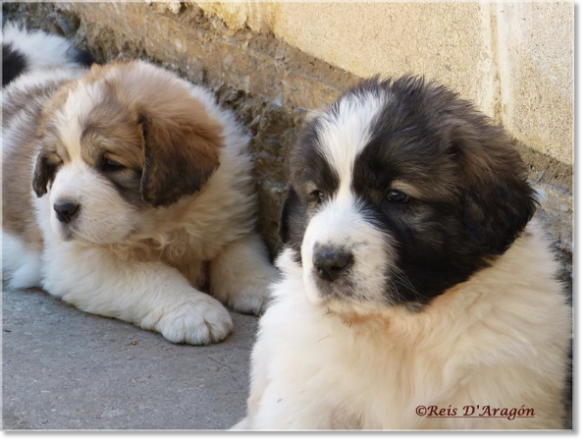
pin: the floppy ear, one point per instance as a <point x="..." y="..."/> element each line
<point x="290" y="204"/>
<point x="181" y="139"/>
<point x="497" y="199"/>
<point x="180" y="154"/>
<point x="43" y="174"/>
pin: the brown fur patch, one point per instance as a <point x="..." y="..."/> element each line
<point x="51" y="153"/>
<point x="179" y="157"/>
<point x="18" y="158"/>
<point x="28" y="100"/>
<point x="17" y="209"/>
<point x="180" y="139"/>
<point x="112" y="131"/>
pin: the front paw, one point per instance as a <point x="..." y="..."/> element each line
<point x="244" y="424"/>
<point x="198" y="322"/>
<point x="251" y="299"/>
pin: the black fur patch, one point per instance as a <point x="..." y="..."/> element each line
<point x="44" y="173"/>
<point x="83" y="58"/>
<point x="13" y="63"/>
<point x="309" y="171"/>
<point x="127" y="184"/>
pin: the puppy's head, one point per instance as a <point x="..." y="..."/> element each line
<point x="400" y="190"/>
<point x="122" y="141"/>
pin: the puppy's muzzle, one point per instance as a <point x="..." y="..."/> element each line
<point x="331" y="263"/>
<point x="66" y="211"/>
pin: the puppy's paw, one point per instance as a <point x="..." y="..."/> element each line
<point x="244" y="424"/>
<point x="250" y="299"/>
<point x="241" y="274"/>
<point x="198" y="322"/>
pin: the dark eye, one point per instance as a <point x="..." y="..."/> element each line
<point x="110" y="165"/>
<point x="397" y="196"/>
<point x="316" y="197"/>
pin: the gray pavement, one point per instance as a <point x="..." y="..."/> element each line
<point x="65" y="369"/>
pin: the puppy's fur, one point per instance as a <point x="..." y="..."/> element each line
<point x="412" y="275"/>
<point x="127" y="192"/>
<point x="31" y="50"/>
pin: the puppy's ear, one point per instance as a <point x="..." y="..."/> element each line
<point x="497" y="199"/>
<point x="181" y="139"/>
<point x="181" y="146"/>
<point x="43" y="174"/>
<point x="291" y="203"/>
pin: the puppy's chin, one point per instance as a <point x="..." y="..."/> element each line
<point x="314" y="294"/>
<point x="72" y="232"/>
<point x="62" y="231"/>
<point x="323" y="294"/>
<point x="337" y="299"/>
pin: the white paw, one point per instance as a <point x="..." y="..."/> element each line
<point x="244" y="424"/>
<point x="199" y="322"/>
<point x="250" y="299"/>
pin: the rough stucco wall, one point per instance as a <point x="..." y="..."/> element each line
<point x="440" y="40"/>
<point x="535" y="42"/>
<point x="514" y="60"/>
<point x="270" y="83"/>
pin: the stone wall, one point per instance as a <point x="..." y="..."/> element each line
<point x="513" y="59"/>
<point x="271" y="62"/>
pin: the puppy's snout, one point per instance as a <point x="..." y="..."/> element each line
<point x="66" y="211"/>
<point x="331" y="263"/>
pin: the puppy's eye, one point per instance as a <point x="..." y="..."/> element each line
<point x="397" y="196"/>
<point x="54" y="161"/>
<point x="110" y="165"/>
<point x="316" y="197"/>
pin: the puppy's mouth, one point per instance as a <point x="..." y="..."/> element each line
<point x="345" y="294"/>
<point x="339" y="288"/>
<point x="69" y="231"/>
<point x="65" y="232"/>
<point x="338" y="296"/>
<point x="332" y="271"/>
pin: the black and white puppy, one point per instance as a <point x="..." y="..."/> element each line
<point x="413" y="275"/>
<point x="33" y="50"/>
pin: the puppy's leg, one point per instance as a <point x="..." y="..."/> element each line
<point x="292" y="406"/>
<point x="258" y="381"/>
<point x="149" y="294"/>
<point x="241" y="273"/>
<point x="21" y="264"/>
<point x="244" y="424"/>
<point x="279" y="403"/>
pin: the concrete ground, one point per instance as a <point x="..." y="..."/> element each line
<point x="65" y="369"/>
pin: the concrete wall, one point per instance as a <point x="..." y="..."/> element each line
<point x="514" y="60"/>
<point x="270" y="62"/>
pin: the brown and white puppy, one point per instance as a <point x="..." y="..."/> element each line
<point x="416" y="292"/>
<point x="127" y="192"/>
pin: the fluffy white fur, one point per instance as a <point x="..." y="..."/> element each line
<point x="344" y="134"/>
<point x="39" y="48"/>
<point x="493" y="340"/>
<point x="20" y="262"/>
<point x="339" y="224"/>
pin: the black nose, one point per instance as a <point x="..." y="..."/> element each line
<point x="331" y="263"/>
<point x="66" y="211"/>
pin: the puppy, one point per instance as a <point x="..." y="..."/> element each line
<point x="412" y="279"/>
<point x="127" y="193"/>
